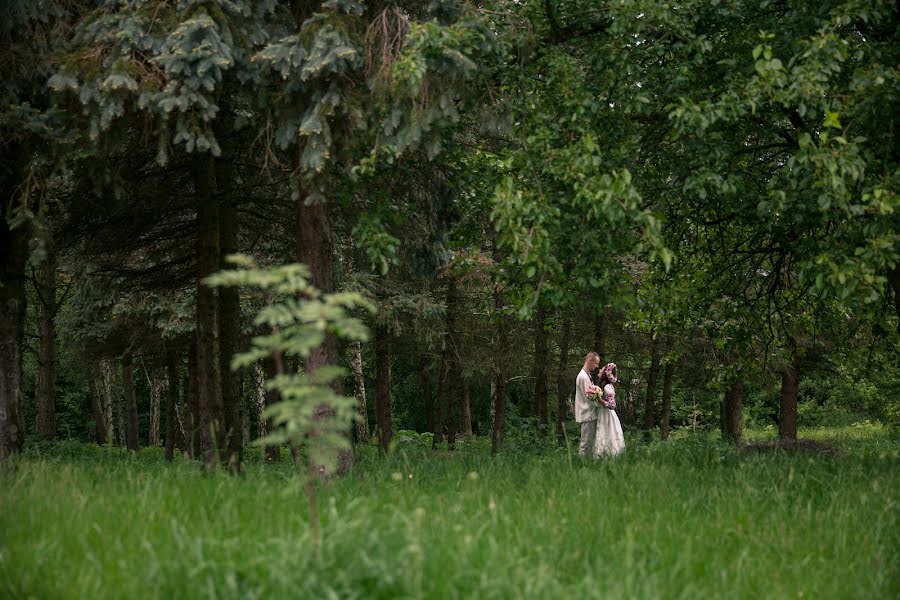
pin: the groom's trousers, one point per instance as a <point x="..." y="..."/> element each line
<point x="588" y="433"/>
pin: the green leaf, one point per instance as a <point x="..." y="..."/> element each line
<point x="832" y="120"/>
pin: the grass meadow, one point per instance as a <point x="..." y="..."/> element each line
<point x="687" y="518"/>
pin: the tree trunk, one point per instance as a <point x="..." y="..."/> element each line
<point x="540" y="370"/>
<point x="315" y="250"/>
<point x="273" y="452"/>
<point x="182" y="415"/>
<point x="171" y="402"/>
<point x="466" y="409"/>
<point x="440" y="405"/>
<point x="156" y="391"/>
<point x="260" y="379"/>
<point x="97" y="407"/>
<point x="427" y="394"/>
<point x="629" y="415"/>
<point x="454" y="386"/>
<point x="600" y="333"/>
<point x="666" y="401"/>
<point x="212" y="409"/>
<point x="445" y="403"/>
<point x="650" y="399"/>
<point x="894" y="279"/>
<point x="194" y="401"/>
<point x="108" y="380"/>
<point x="383" y="387"/>
<point x="13" y="257"/>
<point x="362" y="415"/>
<point x="499" y="398"/>
<point x="118" y="390"/>
<point x="732" y="411"/>
<point x="248" y="405"/>
<point x="563" y="382"/>
<point x="723" y="410"/>
<point x="787" y="409"/>
<point x="132" y="439"/>
<point x="229" y="317"/>
<point x="292" y="364"/>
<point x="45" y="286"/>
<point x="454" y="374"/>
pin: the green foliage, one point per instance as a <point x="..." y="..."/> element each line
<point x="310" y="414"/>
<point x="688" y="518"/>
<point x="567" y="209"/>
<point x="167" y="62"/>
<point x="431" y="82"/>
<point x="786" y="144"/>
<point x="380" y="246"/>
<point x="718" y="175"/>
<point x="408" y="436"/>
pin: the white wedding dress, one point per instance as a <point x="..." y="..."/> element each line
<point x="609" y="440"/>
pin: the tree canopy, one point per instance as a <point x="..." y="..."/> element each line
<point x="703" y="187"/>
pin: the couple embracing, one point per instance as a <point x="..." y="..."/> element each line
<point x="595" y="409"/>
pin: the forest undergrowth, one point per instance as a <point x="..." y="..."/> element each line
<point x="687" y="518"/>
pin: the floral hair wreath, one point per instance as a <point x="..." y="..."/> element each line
<point x="612" y="372"/>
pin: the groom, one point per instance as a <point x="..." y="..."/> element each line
<point x="586" y="412"/>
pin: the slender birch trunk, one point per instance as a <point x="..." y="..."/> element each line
<point x="97" y="406"/>
<point x="466" y="407"/>
<point x="156" y="391"/>
<point x="600" y="328"/>
<point x="107" y="392"/>
<point x="46" y="357"/>
<point x="196" y="420"/>
<point x="383" y="387"/>
<point x="498" y="399"/>
<point x="182" y="414"/>
<point x="171" y="402"/>
<point x="260" y="380"/>
<point x="666" y="401"/>
<point x="273" y="452"/>
<point x="445" y="402"/>
<point x="541" y="364"/>
<point x="650" y="398"/>
<point x="132" y="436"/>
<point x="362" y="417"/>
<point x="425" y="384"/>
<point x="248" y="405"/>
<point x="563" y="381"/>
<point x="454" y="375"/>
<point x="119" y="403"/>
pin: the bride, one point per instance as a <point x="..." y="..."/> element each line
<point x="609" y="439"/>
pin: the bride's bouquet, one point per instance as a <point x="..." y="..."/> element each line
<point x="595" y="394"/>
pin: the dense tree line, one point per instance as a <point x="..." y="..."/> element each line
<point x="704" y="193"/>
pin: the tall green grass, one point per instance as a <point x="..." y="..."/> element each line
<point x="689" y="518"/>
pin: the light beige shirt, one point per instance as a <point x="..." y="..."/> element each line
<point x="585" y="410"/>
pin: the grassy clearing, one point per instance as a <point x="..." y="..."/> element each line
<point x="689" y="518"/>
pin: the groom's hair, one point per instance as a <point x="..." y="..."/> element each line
<point x="591" y="355"/>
